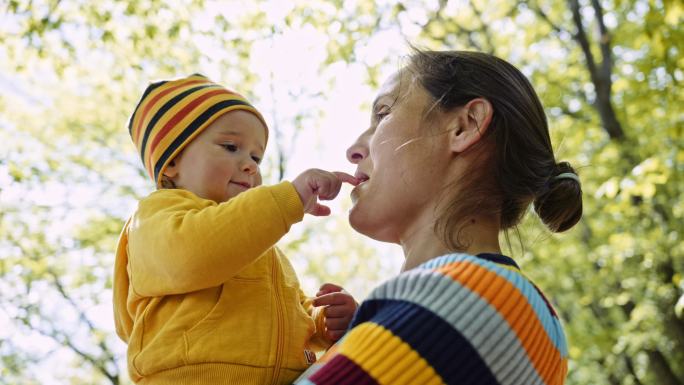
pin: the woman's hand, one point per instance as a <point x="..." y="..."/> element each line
<point x="339" y="309"/>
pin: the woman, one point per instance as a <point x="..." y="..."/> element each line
<point x="457" y="149"/>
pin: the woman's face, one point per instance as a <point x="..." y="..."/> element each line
<point x="401" y="160"/>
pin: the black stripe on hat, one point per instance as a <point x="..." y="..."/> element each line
<point x="149" y="89"/>
<point x="167" y="106"/>
<point x="197" y="123"/>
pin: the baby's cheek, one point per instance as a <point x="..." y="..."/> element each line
<point x="257" y="179"/>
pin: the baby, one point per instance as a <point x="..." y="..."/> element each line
<point x="201" y="293"/>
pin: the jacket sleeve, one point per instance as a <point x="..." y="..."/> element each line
<point x="178" y="243"/>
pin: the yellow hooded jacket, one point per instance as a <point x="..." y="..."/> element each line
<point x="202" y="296"/>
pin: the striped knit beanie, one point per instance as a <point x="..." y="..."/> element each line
<point x="171" y="113"/>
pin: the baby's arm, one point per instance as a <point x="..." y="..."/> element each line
<point x="180" y="243"/>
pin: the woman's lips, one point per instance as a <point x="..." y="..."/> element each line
<point x="361" y="176"/>
<point x="356" y="190"/>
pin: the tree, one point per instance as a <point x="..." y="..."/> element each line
<point x="606" y="71"/>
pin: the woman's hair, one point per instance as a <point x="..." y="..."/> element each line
<point x="515" y="160"/>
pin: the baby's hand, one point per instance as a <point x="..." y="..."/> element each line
<point x="339" y="309"/>
<point x="315" y="184"/>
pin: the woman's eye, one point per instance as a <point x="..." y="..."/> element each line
<point x="382" y="112"/>
<point x="230" y="147"/>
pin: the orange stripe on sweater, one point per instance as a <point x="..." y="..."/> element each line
<point x="513" y="306"/>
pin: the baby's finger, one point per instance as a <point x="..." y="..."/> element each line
<point x="329" y="189"/>
<point x="319" y="210"/>
<point x="335" y="334"/>
<point x="329" y="288"/>
<point x="339" y="311"/>
<point x="344" y="177"/>
<point x="336" y="324"/>
<point x="331" y="299"/>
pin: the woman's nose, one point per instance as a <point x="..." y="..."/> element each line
<point x="359" y="150"/>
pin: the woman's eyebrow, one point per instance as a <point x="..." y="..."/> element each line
<point x="375" y="102"/>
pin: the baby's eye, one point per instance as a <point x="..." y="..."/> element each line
<point x="230" y="147"/>
<point x="256" y="159"/>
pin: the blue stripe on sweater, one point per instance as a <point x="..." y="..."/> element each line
<point x="551" y="324"/>
<point x="474" y="318"/>
<point x="446" y="350"/>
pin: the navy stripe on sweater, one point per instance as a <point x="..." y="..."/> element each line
<point x="449" y="353"/>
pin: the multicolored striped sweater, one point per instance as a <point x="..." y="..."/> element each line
<point x="457" y="319"/>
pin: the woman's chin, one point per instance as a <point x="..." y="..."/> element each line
<point x="359" y="221"/>
<point x="363" y="223"/>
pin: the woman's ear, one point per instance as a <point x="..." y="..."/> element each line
<point x="472" y="121"/>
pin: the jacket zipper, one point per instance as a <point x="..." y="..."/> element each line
<point x="280" y="327"/>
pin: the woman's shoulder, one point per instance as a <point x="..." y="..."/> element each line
<point x="473" y="296"/>
<point x="454" y="277"/>
<point x="443" y="275"/>
<point x="456" y="319"/>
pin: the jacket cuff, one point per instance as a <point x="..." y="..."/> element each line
<point x="288" y="201"/>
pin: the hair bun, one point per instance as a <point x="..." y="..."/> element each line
<point x="559" y="204"/>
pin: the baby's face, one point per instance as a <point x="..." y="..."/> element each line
<point x="224" y="159"/>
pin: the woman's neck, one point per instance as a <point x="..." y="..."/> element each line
<point x="422" y="244"/>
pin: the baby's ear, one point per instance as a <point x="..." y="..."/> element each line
<point x="171" y="169"/>
<point x="470" y="125"/>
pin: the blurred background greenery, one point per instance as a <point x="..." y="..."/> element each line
<point x="609" y="73"/>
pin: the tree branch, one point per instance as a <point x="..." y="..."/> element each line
<point x="604" y="40"/>
<point x="630" y="367"/>
<point x="484" y="30"/>
<point x="601" y="78"/>
<point x="661" y="368"/>
<point x="64" y="340"/>
<point x="100" y="363"/>
<point x="581" y="37"/>
<point x="540" y="12"/>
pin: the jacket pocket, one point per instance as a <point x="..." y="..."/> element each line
<point x="301" y="329"/>
<point x="239" y="328"/>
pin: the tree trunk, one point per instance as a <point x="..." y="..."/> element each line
<point x="600" y="73"/>
<point x="660" y="367"/>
